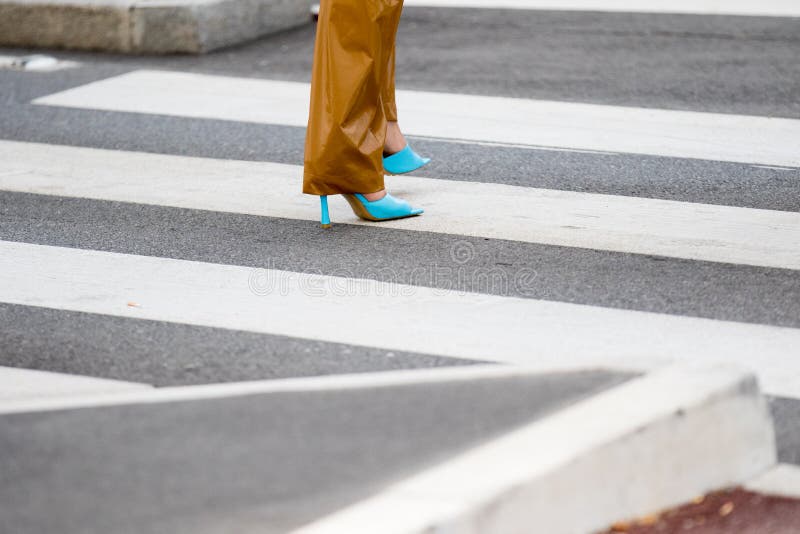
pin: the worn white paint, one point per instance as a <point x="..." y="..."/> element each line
<point x="115" y="396"/>
<point x="26" y="386"/>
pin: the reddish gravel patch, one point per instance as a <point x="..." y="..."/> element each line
<point x="734" y="511"/>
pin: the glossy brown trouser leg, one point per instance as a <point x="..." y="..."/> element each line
<point x="352" y="96"/>
<point x="387" y="91"/>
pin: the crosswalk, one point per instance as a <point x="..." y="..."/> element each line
<point x="514" y="121"/>
<point x="545" y="334"/>
<point x="474" y="325"/>
<point x="164" y="282"/>
<point x="550" y="336"/>
<point x="687" y="230"/>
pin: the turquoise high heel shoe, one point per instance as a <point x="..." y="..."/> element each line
<point x="385" y="209"/>
<point x="404" y="161"/>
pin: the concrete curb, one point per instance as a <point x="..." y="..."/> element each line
<point x="145" y="26"/>
<point x="647" y="445"/>
<point x="783" y="480"/>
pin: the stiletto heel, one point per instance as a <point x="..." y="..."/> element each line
<point x="404" y="161"/>
<point x="326" y="219"/>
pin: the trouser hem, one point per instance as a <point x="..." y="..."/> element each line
<point x="314" y="184"/>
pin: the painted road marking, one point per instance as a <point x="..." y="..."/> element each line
<point x="637" y="225"/>
<point x="681" y="134"/>
<point x="542" y="334"/>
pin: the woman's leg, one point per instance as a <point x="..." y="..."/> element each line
<point x="347" y="117"/>
<point x="387" y="89"/>
<point x="395" y="141"/>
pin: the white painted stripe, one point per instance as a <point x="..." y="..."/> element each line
<point x="384" y="379"/>
<point x="606" y="222"/>
<point x="541" y="334"/>
<point x="683" y="134"/>
<point x="657" y="441"/>
<point x="782" y="480"/>
<point x="26" y="386"/>
<point x="763" y="8"/>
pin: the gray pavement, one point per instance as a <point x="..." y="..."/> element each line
<point x="169" y="354"/>
<point x="688" y="180"/>
<point x="269" y="462"/>
<point x="786" y="413"/>
<point x="744" y="65"/>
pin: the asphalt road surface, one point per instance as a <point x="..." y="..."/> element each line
<point x="712" y="273"/>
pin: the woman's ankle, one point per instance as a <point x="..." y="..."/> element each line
<point x="372" y="197"/>
<point x="395" y="140"/>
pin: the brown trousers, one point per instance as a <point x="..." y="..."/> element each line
<point x="352" y="96"/>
